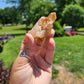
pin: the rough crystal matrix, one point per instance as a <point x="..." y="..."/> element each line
<point x="43" y="26"/>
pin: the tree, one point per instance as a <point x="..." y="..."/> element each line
<point x="2" y="16"/>
<point x="32" y="10"/>
<point x="15" y="15"/>
<point x="60" y="5"/>
<point x="80" y="2"/>
<point x="9" y="15"/>
<point x="73" y="15"/>
<point x="24" y="9"/>
<point x="42" y="9"/>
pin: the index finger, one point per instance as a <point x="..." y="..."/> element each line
<point x="50" y="47"/>
<point x="51" y="35"/>
<point x="46" y="43"/>
<point x="50" y="51"/>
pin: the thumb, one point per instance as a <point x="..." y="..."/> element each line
<point x="26" y="43"/>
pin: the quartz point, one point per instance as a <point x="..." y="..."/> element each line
<point x="43" y="26"/>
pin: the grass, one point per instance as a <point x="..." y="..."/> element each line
<point x="13" y="30"/>
<point x="11" y="50"/>
<point x="80" y="29"/>
<point x="54" y="72"/>
<point x="69" y="50"/>
<point x="79" y="75"/>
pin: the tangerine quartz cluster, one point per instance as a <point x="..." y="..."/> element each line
<point x="43" y="26"/>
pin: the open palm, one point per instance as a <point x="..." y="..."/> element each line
<point x="38" y="68"/>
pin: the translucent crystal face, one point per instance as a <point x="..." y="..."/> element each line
<point x="52" y="17"/>
<point x="43" y="27"/>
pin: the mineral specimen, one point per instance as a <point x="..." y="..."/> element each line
<point x="43" y="27"/>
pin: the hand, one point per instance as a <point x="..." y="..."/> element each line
<point x="38" y="68"/>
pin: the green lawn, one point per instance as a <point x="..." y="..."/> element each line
<point x="69" y="50"/>
<point x="81" y="30"/>
<point x="13" y="30"/>
<point x="11" y="50"/>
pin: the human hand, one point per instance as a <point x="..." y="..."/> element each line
<point x="38" y="68"/>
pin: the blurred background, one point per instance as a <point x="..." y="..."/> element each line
<point x="17" y="17"/>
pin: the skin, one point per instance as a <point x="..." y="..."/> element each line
<point x="38" y="68"/>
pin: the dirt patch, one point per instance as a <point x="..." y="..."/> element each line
<point x="66" y="77"/>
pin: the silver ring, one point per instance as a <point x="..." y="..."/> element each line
<point x="24" y="54"/>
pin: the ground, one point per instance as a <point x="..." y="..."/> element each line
<point x="66" y="77"/>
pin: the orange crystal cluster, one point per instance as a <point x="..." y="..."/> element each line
<point x="43" y="27"/>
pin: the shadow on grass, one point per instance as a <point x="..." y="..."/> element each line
<point x="18" y="34"/>
<point x="23" y="29"/>
<point x="20" y="29"/>
<point x="14" y="34"/>
<point x="80" y="31"/>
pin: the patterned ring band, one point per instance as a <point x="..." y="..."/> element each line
<point x="24" y="54"/>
